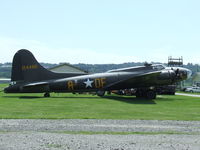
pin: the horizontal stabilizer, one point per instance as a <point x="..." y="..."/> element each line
<point x="37" y="87"/>
<point x="35" y="84"/>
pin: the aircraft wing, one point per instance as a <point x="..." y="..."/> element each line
<point x="135" y="80"/>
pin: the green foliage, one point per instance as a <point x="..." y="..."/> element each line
<point x="85" y="106"/>
<point x="5" y="69"/>
<point x="5" y="72"/>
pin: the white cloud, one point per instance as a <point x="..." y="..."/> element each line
<point x="50" y="54"/>
<point x="44" y="53"/>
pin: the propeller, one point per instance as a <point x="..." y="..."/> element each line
<point x="177" y="72"/>
<point x="176" y="75"/>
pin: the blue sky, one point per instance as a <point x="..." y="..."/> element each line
<point x="101" y="31"/>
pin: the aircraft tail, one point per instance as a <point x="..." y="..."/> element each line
<point x="25" y="68"/>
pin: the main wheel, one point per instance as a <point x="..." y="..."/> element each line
<point x="46" y="95"/>
<point x="151" y="95"/>
<point x="100" y="93"/>
<point x="140" y="94"/>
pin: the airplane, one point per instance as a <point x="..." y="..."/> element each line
<point x="28" y="76"/>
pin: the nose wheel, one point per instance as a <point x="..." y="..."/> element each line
<point x="46" y="94"/>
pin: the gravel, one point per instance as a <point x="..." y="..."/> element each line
<point x="95" y="125"/>
<point x="25" y="134"/>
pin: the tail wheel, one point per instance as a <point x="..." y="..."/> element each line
<point x="46" y="94"/>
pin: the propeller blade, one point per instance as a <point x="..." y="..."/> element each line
<point x="177" y="72"/>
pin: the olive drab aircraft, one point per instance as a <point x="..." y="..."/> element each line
<point x="28" y="76"/>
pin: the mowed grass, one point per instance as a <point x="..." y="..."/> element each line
<point x="85" y="106"/>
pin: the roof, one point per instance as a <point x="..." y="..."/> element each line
<point x="75" y="69"/>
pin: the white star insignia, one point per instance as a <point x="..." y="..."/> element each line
<point x="88" y="83"/>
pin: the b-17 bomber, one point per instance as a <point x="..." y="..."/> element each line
<point x="28" y="76"/>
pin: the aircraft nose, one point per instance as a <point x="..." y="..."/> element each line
<point x="185" y="73"/>
<point x="182" y="73"/>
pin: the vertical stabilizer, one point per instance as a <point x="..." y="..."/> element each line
<point x="26" y="68"/>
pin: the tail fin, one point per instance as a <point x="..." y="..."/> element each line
<point x="25" y="68"/>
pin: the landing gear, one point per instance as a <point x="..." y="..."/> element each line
<point x="151" y="94"/>
<point x="46" y="94"/>
<point x="100" y="93"/>
<point x="140" y="93"/>
<point x="146" y="93"/>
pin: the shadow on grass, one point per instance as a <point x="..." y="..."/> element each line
<point x="24" y="97"/>
<point x="131" y="100"/>
<point x="52" y="97"/>
<point x="127" y="99"/>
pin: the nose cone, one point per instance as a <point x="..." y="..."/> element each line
<point x="183" y="73"/>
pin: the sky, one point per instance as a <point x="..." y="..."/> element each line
<point x="101" y="31"/>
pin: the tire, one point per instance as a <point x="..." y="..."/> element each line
<point x="100" y="93"/>
<point x="191" y="91"/>
<point x="151" y="95"/>
<point x="46" y="95"/>
<point x="172" y="93"/>
<point x="139" y="94"/>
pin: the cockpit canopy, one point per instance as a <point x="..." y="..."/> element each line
<point x="158" y="67"/>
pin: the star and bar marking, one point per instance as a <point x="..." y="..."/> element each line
<point x="88" y="83"/>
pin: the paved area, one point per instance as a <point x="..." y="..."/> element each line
<point x="25" y="134"/>
<point x="185" y="94"/>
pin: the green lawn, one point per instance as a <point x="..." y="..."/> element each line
<point x="65" y="106"/>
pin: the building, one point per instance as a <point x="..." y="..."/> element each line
<point x="66" y="68"/>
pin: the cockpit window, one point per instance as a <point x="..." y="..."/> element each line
<point x="158" y="67"/>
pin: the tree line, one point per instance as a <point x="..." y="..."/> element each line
<point x="5" y="68"/>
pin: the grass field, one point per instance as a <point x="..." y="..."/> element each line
<point x="70" y="106"/>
